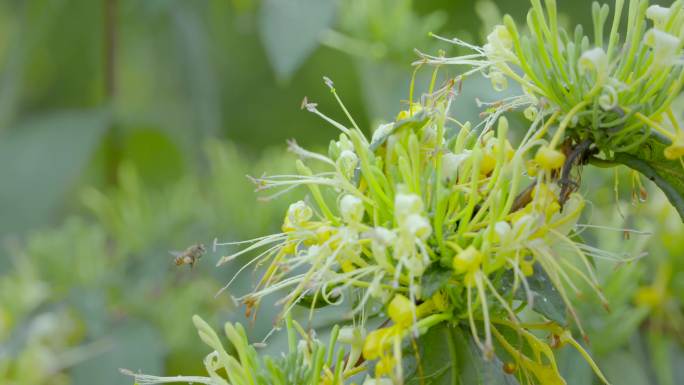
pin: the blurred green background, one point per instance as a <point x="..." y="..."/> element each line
<point x="126" y="130"/>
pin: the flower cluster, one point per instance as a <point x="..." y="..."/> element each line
<point x="614" y="92"/>
<point x="438" y="224"/>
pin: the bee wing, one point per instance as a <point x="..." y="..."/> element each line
<point x="175" y="253"/>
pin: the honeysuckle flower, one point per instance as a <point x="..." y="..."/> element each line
<point x="450" y="165"/>
<point x="298" y="213"/>
<point x="665" y="47"/>
<point x="347" y="162"/>
<point x="499" y="43"/>
<point x="405" y="205"/>
<point x="594" y="60"/>
<point x="352" y="209"/>
<point x="549" y="159"/>
<point x="659" y="15"/>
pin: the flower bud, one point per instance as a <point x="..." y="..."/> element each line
<point x="664" y="45"/>
<point x="384" y="366"/>
<point x="488" y="163"/>
<point x="659" y="15"/>
<point x="298" y="213"/>
<point x="676" y="149"/>
<point x="499" y="43"/>
<point x="532" y="168"/>
<point x="351" y="209"/>
<point x="347" y="162"/>
<point x="406" y="204"/>
<point x="353" y="336"/>
<point x="450" y="164"/>
<point x="401" y="310"/>
<point x="595" y="60"/>
<point x="549" y="159"/>
<point x="418" y="226"/>
<point x="467" y="260"/>
<point x="376" y="342"/>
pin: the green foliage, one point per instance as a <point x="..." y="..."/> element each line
<point x="104" y="286"/>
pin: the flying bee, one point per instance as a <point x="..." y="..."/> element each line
<point x="190" y="256"/>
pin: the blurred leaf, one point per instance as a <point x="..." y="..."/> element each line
<point x="290" y="30"/>
<point x="40" y="160"/>
<point x="136" y="346"/>
<point x="447" y="357"/>
<point x="164" y="164"/>
<point x="547" y="301"/>
<point x="661" y="349"/>
<point x="200" y="76"/>
<point x="667" y="174"/>
<point x="475" y="369"/>
<point x="435" y="277"/>
<point x="438" y="363"/>
<point x="573" y="367"/>
<point x="622" y="367"/>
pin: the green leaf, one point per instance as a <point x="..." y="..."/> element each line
<point x="435" y="278"/>
<point x="667" y="174"/>
<point x="136" y="345"/>
<point x="624" y="368"/>
<point x="547" y="301"/>
<point x="447" y="357"/>
<point x="290" y="31"/>
<point x="573" y="367"/>
<point x="40" y="160"/>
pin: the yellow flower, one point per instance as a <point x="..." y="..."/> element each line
<point x="467" y="260"/>
<point x="549" y="159"/>
<point x="376" y="342"/>
<point x="401" y="310"/>
<point x="676" y="149"/>
<point x="649" y="296"/>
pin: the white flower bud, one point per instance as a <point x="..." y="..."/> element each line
<point x="499" y="43"/>
<point x="298" y="213"/>
<point x="502" y="228"/>
<point x="418" y="226"/>
<point x="659" y="15"/>
<point x="595" y="60"/>
<point x="665" y="46"/>
<point x="406" y="204"/>
<point x="429" y="137"/>
<point x="385" y="236"/>
<point x="345" y="144"/>
<point x="351" y="209"/>
<point x="352" y="336"/>
<point x="450" y="165"/>
<point x="347" y="162"/>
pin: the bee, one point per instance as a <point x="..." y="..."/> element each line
<point x="190" y="256"/>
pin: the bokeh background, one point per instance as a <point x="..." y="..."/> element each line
<point x="126" y="131"/>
